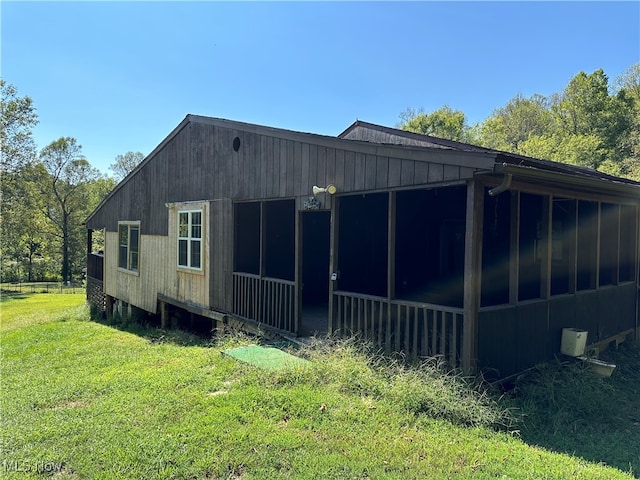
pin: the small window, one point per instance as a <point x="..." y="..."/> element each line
<point x="190" y="239"/>
<point x="128" y="246"/>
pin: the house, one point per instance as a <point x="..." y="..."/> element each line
<point x="419" y="244"/>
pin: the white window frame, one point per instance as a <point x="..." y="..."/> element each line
<point x="190" y="239"/>
<point x="133" y="256"/>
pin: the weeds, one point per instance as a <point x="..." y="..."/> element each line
<point x="138" y="402"/>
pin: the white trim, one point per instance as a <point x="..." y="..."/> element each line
<point x="189" y="239"/>
<point x="128" y="269"/>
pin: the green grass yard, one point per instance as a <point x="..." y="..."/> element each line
<point x="81" y="399"/>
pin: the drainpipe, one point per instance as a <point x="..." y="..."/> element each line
<point x="503" y="187"/>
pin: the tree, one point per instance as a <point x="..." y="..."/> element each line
<point x="585" y="107"/>
<point x="26" y="233"/>
<point x="124" y="164"/>
<point x="63" y="180"/>
<point x="629" y="84"/>
<point x="510" y="126"/>
<point x="20" y="238"/>
<point x="442" y="123"/>
<point x="17" y="118"/>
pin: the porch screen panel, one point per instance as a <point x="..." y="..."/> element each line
<point x="429" y="253"/>
<point x="609" y="223"/>
<point x="531" y="233"/>
<point x="628" y="242"/>
<point x="496" y="235"/>
<point x="247" y="238"/>
<point x="587" y="244"/>
<point x="279" y="239"/>
<point x="563" y="245"/>
<point x="363" y="244"/>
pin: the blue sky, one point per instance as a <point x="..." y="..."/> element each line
<point x="119" y="76"/>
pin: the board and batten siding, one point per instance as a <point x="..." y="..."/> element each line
<point x="198" y="162"/>
<point x="158" y="271"/>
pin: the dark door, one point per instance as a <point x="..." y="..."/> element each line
<point x="316" y="228"/>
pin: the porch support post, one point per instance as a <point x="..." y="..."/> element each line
<point x="163" y="315"/>
<point x="391" y="253"/>
<point x="297" y="302"/>
<point x="472" y="274"/>
<point x="333" y="258"/>
<point x="108" y="308"/>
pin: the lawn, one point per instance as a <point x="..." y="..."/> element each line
<point x="82" y="399"/>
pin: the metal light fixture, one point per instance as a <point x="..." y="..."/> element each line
<point x="330" y="189"/>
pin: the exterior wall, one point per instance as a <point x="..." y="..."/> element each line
<point x="158" y="271"/>
<point x="512" y="338"/>
<point x="198" y="162"/>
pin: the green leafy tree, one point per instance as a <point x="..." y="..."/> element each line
<point x="17" y="118"/>
<point x="509" y="127"/>
<point x="629" y="84"/>
<point x="124" y="164"/>
<point x="64" y="184"/>
<point x="585" y="124"/>
<point x="26" y="239"/>
<point x="586" y="108"/>
<point x="17" y="151"/>
<point x="442" y="123"/>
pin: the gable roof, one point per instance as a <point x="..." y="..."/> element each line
<point x="365" y="131"/>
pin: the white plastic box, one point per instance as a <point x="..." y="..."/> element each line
<point x="573" y="342"/>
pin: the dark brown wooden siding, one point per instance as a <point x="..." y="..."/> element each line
<point x="516" y="337"/>
<point x="379" y="136"/>
<point x="199" y="163"/>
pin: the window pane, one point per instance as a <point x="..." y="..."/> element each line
<point x="133" y="241"/>
<point x="195" y="253"/>
<point x="123" y="234"/>
<point x="183" y="228"/>
<point x="123" y="240"/>
<point x="122" y="256"/>
<point x="182" y="253"/>
<point x="134" y="261"/>
<point x="196" y="218"/>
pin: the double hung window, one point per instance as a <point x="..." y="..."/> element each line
<point x="128" y="246"/>
<point x="190" y="239"/>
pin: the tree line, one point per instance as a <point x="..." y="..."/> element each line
<point x="46" y="196"/>
<point x="590" y="123"/>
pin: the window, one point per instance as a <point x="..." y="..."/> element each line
<point x="190" y="239"/>
<point x="129" y="246"/>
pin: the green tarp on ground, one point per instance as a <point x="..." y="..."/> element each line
<point x="265" y="357"/>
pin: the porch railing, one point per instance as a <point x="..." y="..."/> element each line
<point x="264" y="300"/>
<point x="417" y="329"/>
<point x="95" y="266"/>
